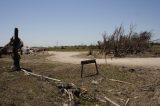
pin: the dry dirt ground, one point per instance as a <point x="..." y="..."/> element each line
<point x="71" y="57"/>
<point x="19" y="89"/>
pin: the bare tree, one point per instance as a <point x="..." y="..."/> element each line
<point x="120" y="43"/>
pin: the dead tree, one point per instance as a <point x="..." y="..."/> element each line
<point x="120" y="43"/>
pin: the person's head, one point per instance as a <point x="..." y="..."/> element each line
<point x="16" y="32"/>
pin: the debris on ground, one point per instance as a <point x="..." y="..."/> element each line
<point x="42" y="76"/>
<point x="127" y="101"/>
<point x="94" y="82"/>
<point x="111" y="101"/>
<point x="120" y="81"/>
<point x="98" y="81"/>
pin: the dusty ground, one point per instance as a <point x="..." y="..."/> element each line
<point x="18" y="89"/>
<point x="71" y="57"/>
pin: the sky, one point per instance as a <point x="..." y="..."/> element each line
<point x="74" y="22"/>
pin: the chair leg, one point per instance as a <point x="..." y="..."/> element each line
<point x="81" y="70"/>
<point x="96" y="68"/>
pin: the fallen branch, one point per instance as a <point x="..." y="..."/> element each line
<point x="111" y="101"/>
<point x="120" y="81"/>
<point x="30" y="73"/>
<point x="72" y="100"/>
<point x="69" y="94"/>
<point x="127" y="102"/>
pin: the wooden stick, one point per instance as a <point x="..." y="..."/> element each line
<point x="127" y="102"/>
<point x="68" y="94"/>
<point x="120" y="81"/>
<point x="30" y="73"/>
<point x="111" y="101"/>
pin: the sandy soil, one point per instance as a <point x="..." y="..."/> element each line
<point x="71" y="57"/>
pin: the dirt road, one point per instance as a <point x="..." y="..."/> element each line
<point x="70" y="57"/>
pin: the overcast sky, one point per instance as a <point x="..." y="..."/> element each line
<point x="70" y="22"/>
